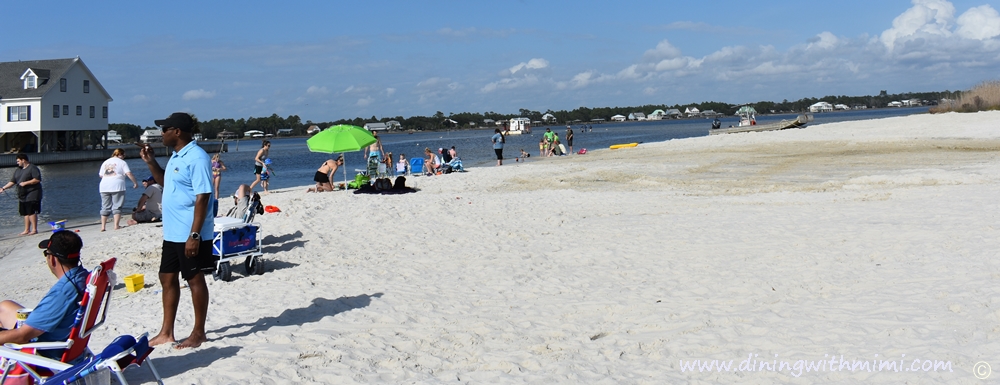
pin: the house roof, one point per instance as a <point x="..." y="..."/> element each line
<point x="48" y="72"/>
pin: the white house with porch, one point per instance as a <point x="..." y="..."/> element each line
<point x="821" y="107"/>
<point x="51" y="105"/>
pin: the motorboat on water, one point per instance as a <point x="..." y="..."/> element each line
<point x="748" y="123"/>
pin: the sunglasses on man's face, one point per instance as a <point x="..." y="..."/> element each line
<point x="165" y="129"/>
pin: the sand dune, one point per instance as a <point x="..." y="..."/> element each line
<point x="867" y="240"/>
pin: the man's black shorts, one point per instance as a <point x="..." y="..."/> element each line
<point x="29" y="208"/>
<point x="174" y="261"/>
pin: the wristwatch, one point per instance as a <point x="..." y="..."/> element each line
<point x="196" y="236"/>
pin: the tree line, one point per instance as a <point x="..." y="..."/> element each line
<point x="439" y="121"/>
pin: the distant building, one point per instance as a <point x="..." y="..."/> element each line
<point x="618" y="118"/>
<point x="821" y="107"/>
<point x="394" y="125"/>
<point x="637" y="116"/>
<point x="656" y="115"/>
<point x="692" y="112"/>
<point x="378" y="126"/>
<point x="51" y="105"/>
<point x="549" y="118"/>
<point x="487" y="122"/>
<point x="841" y="107"/>
<point x="895" y="104"/>
<point x="284" y="131"/>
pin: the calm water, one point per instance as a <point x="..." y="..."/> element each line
<point x="71" y="190"/>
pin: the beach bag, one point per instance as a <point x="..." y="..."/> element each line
<point x="582" y="151"/>
<point x="400" y="183"/>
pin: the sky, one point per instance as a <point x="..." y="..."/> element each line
<point x="330" y="60"/>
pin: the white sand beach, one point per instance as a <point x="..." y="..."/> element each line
<point x="869" y="240"/>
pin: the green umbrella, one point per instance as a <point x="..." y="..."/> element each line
<point x="340" y="138"/>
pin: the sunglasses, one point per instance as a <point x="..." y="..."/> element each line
<point x="165" y="129"/>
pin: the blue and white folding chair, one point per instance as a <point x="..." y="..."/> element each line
<point x="123" y="352"/>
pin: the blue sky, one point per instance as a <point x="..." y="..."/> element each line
<point x="327" y="60"/>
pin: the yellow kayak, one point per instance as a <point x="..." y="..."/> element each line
<point x="617" y="146"/>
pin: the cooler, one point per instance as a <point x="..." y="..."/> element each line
<point x="233" y="236"/>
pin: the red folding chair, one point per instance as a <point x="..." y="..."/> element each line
<point x="23" y="366"/>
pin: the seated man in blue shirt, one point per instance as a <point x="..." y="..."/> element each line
<point x="53" y="317"/>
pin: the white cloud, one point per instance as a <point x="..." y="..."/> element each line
<point x="925" y="18"/>
<point x="663" y="50"/>
<point x="348" y="89"/>
<point x="531" y="64"/>
<point x="511" y="83"/>
<point x="980" y="23"/>
<point x="139" y="98"/>
<point x="365" y="101"/>
<point x="582" y="79"/>
<point x="390" y="91"/>
<point x="261" y="101"/>
<point x="649" y="91"/>
<point x="198" y="94"/>
<point x="672" y="64"/>
<point x="825" y="40"/>
<point x="433" y="82"/>
<point x="313" y="90"/>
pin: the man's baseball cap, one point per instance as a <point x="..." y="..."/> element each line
<point x="150" y="179"/>
<point x="179" y="120"/>
<point x="68" y="248"/>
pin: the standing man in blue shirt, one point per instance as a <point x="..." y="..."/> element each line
<point x="187" y="224"/>
<point x="53" y="317"/>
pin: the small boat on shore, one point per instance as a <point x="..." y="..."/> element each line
<point x="748" y="123"/>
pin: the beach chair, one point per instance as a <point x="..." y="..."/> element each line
<point x="246" y="208"/>
<point x="416" y="166"/>
<point x="122" y="353"/>
<point x="376" y="169"/>
<point x="21" y="359"/>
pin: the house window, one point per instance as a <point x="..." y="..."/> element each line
<point x="86" y="86"/>
<point x="79" y="110"/>
<point x="62" y="85"/>
<point x="104" y="112"/>
<point x="55" y="111"/>
<point x="91" y="111"/>
<point x="18" y="113"/>
<point x="29" y="82"/>
<point x="65" y="110"/>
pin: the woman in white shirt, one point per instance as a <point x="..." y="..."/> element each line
<point x="113" y="172"/>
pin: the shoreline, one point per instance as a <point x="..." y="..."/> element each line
<point x="840" y="238"/>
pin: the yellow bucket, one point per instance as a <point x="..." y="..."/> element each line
<point x="134" y="283"/>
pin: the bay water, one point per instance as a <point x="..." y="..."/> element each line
<point x="71" y="190"/>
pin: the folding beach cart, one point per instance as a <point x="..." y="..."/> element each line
<point x="233" y="240"/>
